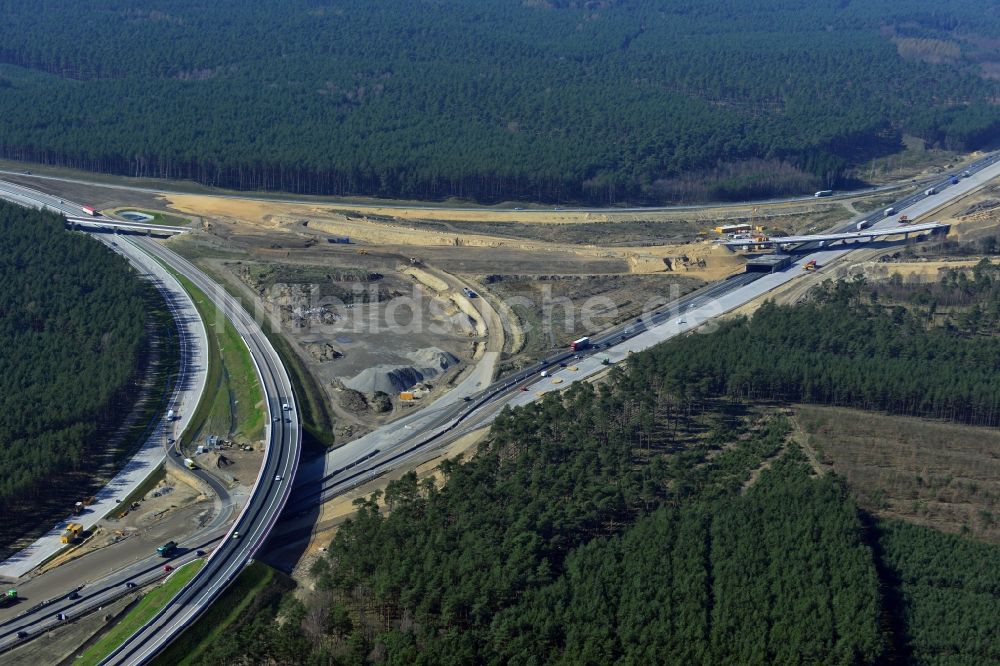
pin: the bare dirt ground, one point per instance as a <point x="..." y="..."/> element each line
<point x="352" y="313"/>
<point x="938" y="474"/>
<point x="172" y="500"/>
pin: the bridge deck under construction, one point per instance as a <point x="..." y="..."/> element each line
<point x="864" y="234"/>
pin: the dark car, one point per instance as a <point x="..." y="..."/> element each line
<point x="22" y="634"/>
<point x="74" y="595"/>
<point x="130" y="585"/>
<point x="200" y="553"/>
<point x="467" y="398"/>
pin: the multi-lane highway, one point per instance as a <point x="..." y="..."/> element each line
<point x="397" y="443"/>
<point x="270" y="492"/>
<point x="246" y="535"/>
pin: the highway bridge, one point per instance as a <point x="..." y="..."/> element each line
<point x="76" y="215"/>
<point x="841" y="237"/>
<point x="106" y="224"/>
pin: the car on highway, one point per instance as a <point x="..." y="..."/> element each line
<point x="236" y="535"/>
<point x="277" y="418"/>
<point x="467" y="398"/>
<point x="167" y="568"/>
<point x="199" y="553"/>
<point x="130" y="585"/>
<point x="286" y="407"/>
<point x="22" y="634"/>
<point x="74" y="595"/>
<point x="277" y="477"/>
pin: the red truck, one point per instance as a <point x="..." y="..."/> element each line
<point x="580" y="344"/>
<point x="89" y="211"/>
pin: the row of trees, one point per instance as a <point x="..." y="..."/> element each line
<point x="842" y="349"/>
<point x="485" y="99"/>
<point x="72" y="327"/>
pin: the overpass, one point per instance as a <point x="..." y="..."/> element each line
<point x="843" y="236"/>
<point x="98" y="224"/>
<point x="78" y="217"/>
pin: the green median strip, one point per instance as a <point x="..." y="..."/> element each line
<point x="233" y="393"/>
<point x="140" y="614"/>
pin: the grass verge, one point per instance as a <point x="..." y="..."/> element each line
<point x="158" y="217"/>
<point x="141" y="613"/>
<point x="232" y="402"/>
<point x="254" y="584"/>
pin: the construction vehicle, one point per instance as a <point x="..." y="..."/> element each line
<point x="9" y="598"/>
<point x="167" y="549"/>
<point x="71" y="533"/>
<point x="905" y="219"/>
<point x="362" y="251"/>
<point x="810" y="265"/>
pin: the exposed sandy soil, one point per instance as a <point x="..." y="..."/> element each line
<point x="398" y="234"/>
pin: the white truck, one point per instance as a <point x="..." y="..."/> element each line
<point x="890" y="211"/>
